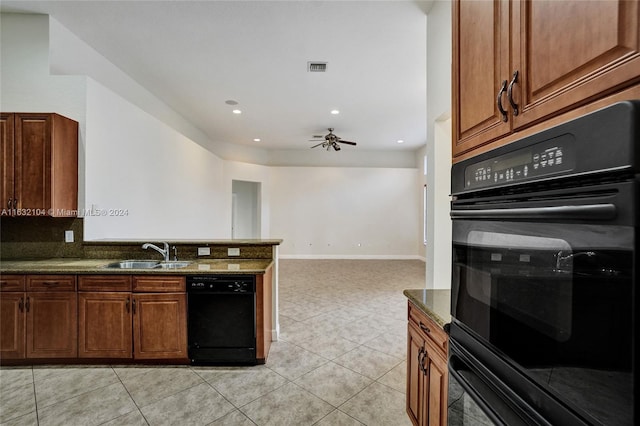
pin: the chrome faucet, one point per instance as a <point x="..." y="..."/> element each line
<point x="164" y="252"/>
<point x="561" y="261"/>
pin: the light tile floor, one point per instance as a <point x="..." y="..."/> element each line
<point x="340" y="361"/>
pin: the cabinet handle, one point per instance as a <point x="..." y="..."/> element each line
<point x="133" y="306"/>
<point x="420" y="358"/>
<point x="425" y="370"/>
<point x="514" y="105"/>
<point x="499" y="101"/>
<point x="50" y="283"/>
<point x="424" y="328"/>
<point x="9" y="202"/>
<point x="28" y="304"/>
<point x="21" y="304"/>
<point x="127" y="304"/>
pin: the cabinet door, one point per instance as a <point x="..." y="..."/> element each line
<point x="52" y="325"/>
<point x="12" y="325"/>
<point x="6" y="162"/>
<point x="415" y="376"/>
<point x="159" y="325"/>
<point x="104" y="325"/>
<point x="436" y="384"/>
<point x="569" y="53"/>
<point x="480" y="67"/>
<point x="33" y="161"/>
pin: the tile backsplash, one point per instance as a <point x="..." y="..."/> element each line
<point x="40" y="237"/>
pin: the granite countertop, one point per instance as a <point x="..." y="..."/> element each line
<point x="436" y="304"/>
<point x="98" y="266"/>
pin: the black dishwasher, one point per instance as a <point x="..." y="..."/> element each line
<point x="222" y="319"/>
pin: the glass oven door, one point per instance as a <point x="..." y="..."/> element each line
<point x="546" y="279"/>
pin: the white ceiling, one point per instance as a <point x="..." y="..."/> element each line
<point x="195" y="55"/>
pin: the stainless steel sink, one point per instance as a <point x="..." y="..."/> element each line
<point x="147" y="264"/>
<point x="176" y="264"/>
<point x="133" y="264"/>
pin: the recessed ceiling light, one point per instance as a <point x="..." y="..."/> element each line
<point x="231" y="102"/>
<point x="335" y="112"/>
<point x="237" y="111"/>
<point x="400" y="141"/>
<point x="256" y="140"/>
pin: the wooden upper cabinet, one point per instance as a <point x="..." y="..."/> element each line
<point x="481" y="52"/>
<point x="7" y="161"/>
<point x="536" y="60"/>
<point x="571" y="52"/>
<point x="39" y="164"/>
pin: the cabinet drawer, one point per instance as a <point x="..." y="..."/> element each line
<point x="428" y="327"/>
<point x="104" y="283"/>
<point x="12" y="283"/>
<point x="51" y="283"/>
<point x="159" y="284"/>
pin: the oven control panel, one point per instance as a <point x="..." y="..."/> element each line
<point x="549" y="157"/>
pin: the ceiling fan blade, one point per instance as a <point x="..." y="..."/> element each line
<point x="347" y="142"/>
<point x="317" y="145"/>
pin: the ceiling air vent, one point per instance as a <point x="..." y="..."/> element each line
<point x="316" y="66"/>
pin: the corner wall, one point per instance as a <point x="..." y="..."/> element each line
<point x="438" y="145"/>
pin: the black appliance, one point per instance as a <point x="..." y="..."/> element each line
<point x="544" y="283"/>
<point x="222" y="319"/>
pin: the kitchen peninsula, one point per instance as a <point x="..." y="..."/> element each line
<point x="95" y="308"/>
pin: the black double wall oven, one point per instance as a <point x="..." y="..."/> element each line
<point x="544" y="308"/>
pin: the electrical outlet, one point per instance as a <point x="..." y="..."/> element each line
<point x="204" y="251"/>
<point x="68" y="236"/>
<point x="233" y="251"/>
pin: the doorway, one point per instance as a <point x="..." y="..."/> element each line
<point x="245" y="209"/>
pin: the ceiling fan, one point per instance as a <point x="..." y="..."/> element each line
<point x="330" y="141"/>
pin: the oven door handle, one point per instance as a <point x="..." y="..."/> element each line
<point x="588" y="211"/>
<point x="487" y="398"/>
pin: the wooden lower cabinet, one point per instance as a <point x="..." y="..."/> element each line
<point x="52" y="325"/>
<point x="159" y="325"/>
<point x="118" y="322"/>
<point x="41" y="323"/>
<point x="426" y="398"/>
<point x="12" y="325"/>
<point x="105" y="325"/>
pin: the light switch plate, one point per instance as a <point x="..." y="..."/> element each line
<point x="233" y="251"/>
<point x="204" y="251"/>
<point x="68" y="236"/>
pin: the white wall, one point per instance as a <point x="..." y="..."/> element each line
<point x="325" y="212"/>
<point x="167" y="186"/>
<point x="26" y="84"/>
<point x="438" y="144"/>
